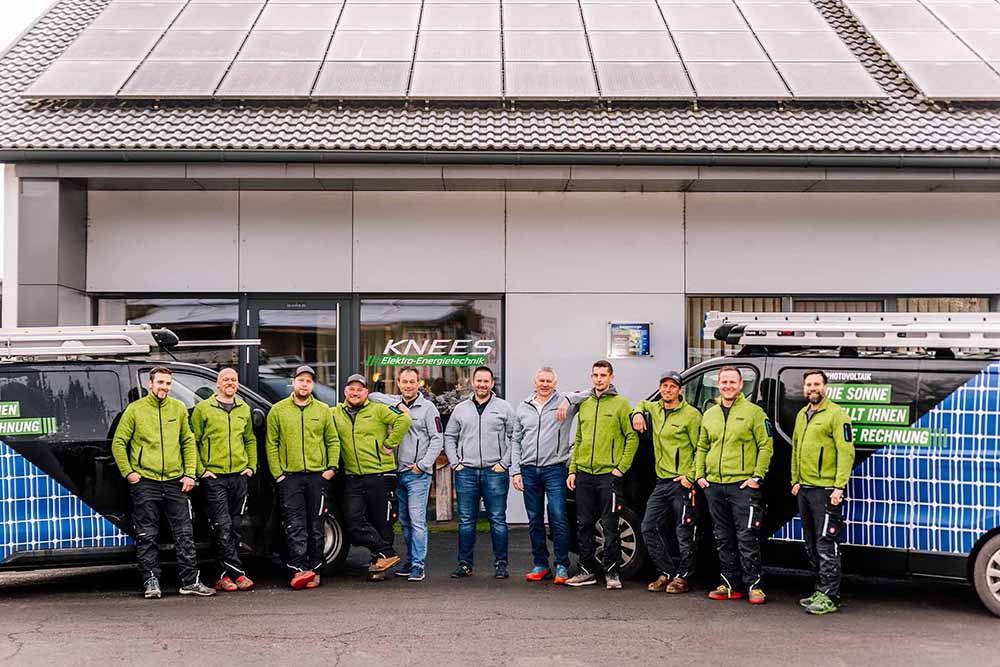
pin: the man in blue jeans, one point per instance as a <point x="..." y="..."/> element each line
<point x="415" y="459"/>
<point x="477" y="442"/>
<point x="541" y="447"/>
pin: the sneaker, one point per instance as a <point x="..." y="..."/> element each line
<point x="612" y="582"/>
<point x="583" y="578"/>
<point x="403" y="570"/>
<point x="724" y="592"/>
<point x="300" y="579"/>
<point x="244" y="583"/>
<point x="197" y="588"/>
<point x="822" y="604"/>
<point x="383" y="563"/>
<point x="225" y="584"/>
<point x="562" y="574"/>
<point x="151" y="589"/>
<point x="500" y="570"/>
<point x="756" y="596"/>
<point x="678" y="585"/>
<point x="538" y="573"/>
<point x="805" y="602"/>
<point x="658" y="585"/>
<point x="461" y="571"/>
<point x="314" y="583"/>
<point x="416" y="573"/>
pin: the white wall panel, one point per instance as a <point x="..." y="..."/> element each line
<point x="295" y="241"/>
<point x="595" y="242"/>
<point x="429" y="241"/>
<point x="920" y="243"/>
<point x="162" y="242"/>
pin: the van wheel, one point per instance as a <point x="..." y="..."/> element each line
<point x="633" y="550"/>
<point x="986" y="574"/>
<point x="335" y="546"/>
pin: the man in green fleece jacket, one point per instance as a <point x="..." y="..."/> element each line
<point x="156" y="454"/>
<point x="602" y="454"/>
<point x="822" y="459"/>
<point x="227" y="458"/>
<point x="370" y="433"/>
<point x="734" y="452"/>
<point x="303" y="452"/>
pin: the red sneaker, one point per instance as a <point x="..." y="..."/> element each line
<point x="225" y="584"/>
<point x="314" y="583"/>
<point x="300" y="579"/>
<point x="537" y="574"/>
<point x="724" y="592"/>
<point x="244" y="583"/>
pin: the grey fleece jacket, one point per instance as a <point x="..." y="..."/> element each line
<point x="425" y="439"/>
<point x="539" y="438"/>
<point x="480" y="441"/>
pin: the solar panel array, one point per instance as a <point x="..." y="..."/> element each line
<point x="476" y="49"/>
<point x="949" y="49"/>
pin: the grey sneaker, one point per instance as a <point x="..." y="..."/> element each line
<point x="612" y="582"/>
<point x="151" y="589"/>
<point x="197" y="588"/>
<point x="582" y="578"/>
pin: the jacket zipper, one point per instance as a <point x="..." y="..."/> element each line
<point x="538" y="436"/>
<point x="302" y="417"/>
<point x="722" y="450"/>
<point x="354" y="441"/>
<point x="229" y="418"/>
<point x="819" y="464"/>
<point x="481" y="435"/>
<point x="163" y="457"/>
<point x="593" y="442"/>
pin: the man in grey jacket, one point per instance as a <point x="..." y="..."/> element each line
<point x="415" y="459"/>
<point x="541" y="448"/>
<point x="477" y="442"/>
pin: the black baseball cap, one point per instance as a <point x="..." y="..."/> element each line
<point x="673" y="376"/>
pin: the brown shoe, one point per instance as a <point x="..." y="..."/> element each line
<point x="314" y="583"/>
<point x="383" y="563"/>
<point x="678" y="585"/>
<point x="659" y="585"/>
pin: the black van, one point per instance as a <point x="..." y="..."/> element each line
<point x="924" y="496"/>
<point x="62" y="499"/>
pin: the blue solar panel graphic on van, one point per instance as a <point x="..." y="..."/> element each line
<point x="36" y="512"/>
<point x="938" y="499"/>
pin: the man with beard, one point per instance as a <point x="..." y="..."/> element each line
<point x="822" y="459"/>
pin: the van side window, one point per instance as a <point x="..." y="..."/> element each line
<point x="702" y="391"/>
<point x="189" y="388"/>
<point x="59" y="405"/>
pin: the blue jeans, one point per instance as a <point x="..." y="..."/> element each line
<point x="541" y="482"/>
<point x="471" y="484"/>
<point x="412" y="493"/>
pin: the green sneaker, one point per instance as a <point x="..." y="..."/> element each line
<point x="805" y="602"/>
<point x="822" y="605"/>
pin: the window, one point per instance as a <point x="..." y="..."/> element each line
<point x="445" y="339"/>
<point x="189" y="388"/>
<point x="703" y="390"/>
<point x="59" y="406"/>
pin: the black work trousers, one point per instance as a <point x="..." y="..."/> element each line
<point x="226" y="503"/>
<point x="736" y="518"/>
<point x="371" y="509"/>
<point x="152" y="500"/>
<point x="597" y="499"/>
<point x="668" y="529"/>
<point x="822" y="526"/>
<point x="304" y="505"/>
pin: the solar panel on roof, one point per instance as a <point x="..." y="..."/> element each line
<point x="112" y="45"/>
<point x="623" y="17"/>
<point x="456" y="80"/>
<point x="82" y="78"/>
<point x="365" y="45"/>
<point x="286" y="45"/>
<point x="298" y="17"/>
<point x="461" y="17"/>
<point x="137" y="16"/>
<point x="550" y="80"/>
<point x="703" y="17"/>
<point x="155" y="79"/>
<point x="646" y="46"/>
<point x="955" y="81"/>
<point x="643" y="80"/>
<point x="365" y="80"/>
<point x="269" y="79"/>
<point x="933" y="46"/>
<point x="474" y="45"/>
<point x="983" y="42"/>
<point x="218" y="16"/>
<point x="813" y="46"/>
<point x="817" y="81"/>
<point x="782" y="16"/>
<point x="894" y="16"/>
<point x="734" y="81"/>
<point x="734" y="46"/>
<point x="973" y="16"/>
<point x="541" y="17"/>
<point x="379" y="17"/>
<point x="556" y="45"/>
<point x="198" y="45"/>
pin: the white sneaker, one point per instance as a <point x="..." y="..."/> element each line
<point x="583" y="578"/>
<point x="612" y="582"/>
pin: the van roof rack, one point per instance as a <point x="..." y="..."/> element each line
<point x="852" y="330"/>
<point x="96" y="341"/>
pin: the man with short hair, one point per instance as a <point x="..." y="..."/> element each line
<point x="415" y="459"/>
<point x="156" y="454"/>
<point x="303" y="453"/>
<point x="369" y="435"/>
<point x="822" y="460"/>
<point x="734" y="452"/>
<point x="477" y="441"/>
<point x="541" y="448"/>
<point x="602" y="453"/>
<point x="227" y="458"/>
<point x="670" y="515"/>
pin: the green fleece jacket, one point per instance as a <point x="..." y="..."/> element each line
<point x="675" y="437"/>
<point x="822" y="447"/>
<point x="301" y="439"/>
<point x="154" y="439"/>
<point x="605" y="439"/>
<point x="367" y="435"/>
<point x="736" y="448"/>
<point x="226" y="441"/>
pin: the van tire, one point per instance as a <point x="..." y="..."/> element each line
<point x="335" y="543"/>
<point x="633" y="548"/>
<point x="986" y="574"/>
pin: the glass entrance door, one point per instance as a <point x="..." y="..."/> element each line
<point x="294" y="332"/>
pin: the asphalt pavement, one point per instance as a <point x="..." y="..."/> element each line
<point x="96" y="615"/>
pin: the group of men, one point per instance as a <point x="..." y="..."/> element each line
<point x="388" y="445"/>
